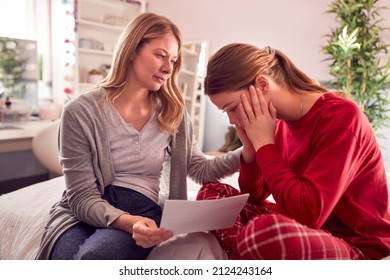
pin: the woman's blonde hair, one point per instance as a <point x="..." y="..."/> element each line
<point x="140" y="31"/>
<point x="235" y="67"/>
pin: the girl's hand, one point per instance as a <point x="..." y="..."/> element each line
<point x="258" y="118"/>
<point x="248" y="151"/>
<point x="146" y="233"/>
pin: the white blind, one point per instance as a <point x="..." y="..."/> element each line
<point x="17" y="19"/>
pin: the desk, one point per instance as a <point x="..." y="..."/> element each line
<point x="17" y="136"/>
<point x="18" y="165"/>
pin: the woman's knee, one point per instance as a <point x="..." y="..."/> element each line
<point x="111" y="244"/>
<point x="69" y="242"/>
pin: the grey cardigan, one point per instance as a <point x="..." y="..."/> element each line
<point x="87" y="167"/>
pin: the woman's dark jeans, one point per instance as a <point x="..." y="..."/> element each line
<point x="85" y="242"/>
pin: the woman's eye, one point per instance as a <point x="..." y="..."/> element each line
<point x="161" y="56"/>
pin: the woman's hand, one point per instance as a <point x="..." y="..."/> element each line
<point x="258" y="118"/>
<point x="146" y="233"/>
<point x="143" y="230"/>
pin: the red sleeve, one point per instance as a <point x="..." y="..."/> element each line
<point x="310" y="198"/>
<point x="251" y="181"/>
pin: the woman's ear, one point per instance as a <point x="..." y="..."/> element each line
<point x="262" y="83"/>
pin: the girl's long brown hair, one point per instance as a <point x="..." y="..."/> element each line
<point x="141" y="30"/>
<point x="235" y="67"/>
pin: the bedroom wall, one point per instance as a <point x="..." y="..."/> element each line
<point x="296" y="27"/>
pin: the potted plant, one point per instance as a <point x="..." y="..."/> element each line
<point x="12" y="66"/>
<point x="358" y="57"/>
<point x="94" y="76"/>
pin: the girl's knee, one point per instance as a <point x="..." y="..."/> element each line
<point x="216" y="191"/>
<point x="261" y="236"/>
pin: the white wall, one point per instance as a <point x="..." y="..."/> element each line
<point x="384" y="140"/>
<point x="298" y="28"/>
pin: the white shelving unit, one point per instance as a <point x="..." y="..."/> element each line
<point x="99" y="24"/>
<point x="191" y="83"/>
<point x="84" y="34"/>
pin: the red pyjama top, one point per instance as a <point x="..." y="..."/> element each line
<point x="326" y="171"/>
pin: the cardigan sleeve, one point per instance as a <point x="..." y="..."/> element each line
<point x="205" y="169"/>
<point x="79" y="158"/>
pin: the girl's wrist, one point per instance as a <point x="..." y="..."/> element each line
<point x="261" y="144"/>
<point x="248" y="154"/>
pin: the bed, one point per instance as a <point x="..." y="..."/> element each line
<point x="24" y="212"/>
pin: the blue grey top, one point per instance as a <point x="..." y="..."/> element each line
<point x="137" y="156"/>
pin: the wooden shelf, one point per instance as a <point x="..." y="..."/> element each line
<point x="187" y="51"/>
<point x="186" y="72"/>
<point x="95" y="52"/>
<point x="100" y="25"/>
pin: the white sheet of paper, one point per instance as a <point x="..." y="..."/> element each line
<point x="185" y="216"/>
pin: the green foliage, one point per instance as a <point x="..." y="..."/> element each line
<point x="12" y="66"/>
<point x="359" y="60"/>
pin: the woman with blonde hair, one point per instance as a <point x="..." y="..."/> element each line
<point x="312" y="149"/>
<point x="113" y="141"/>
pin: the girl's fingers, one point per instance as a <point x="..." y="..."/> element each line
<point x="262" y="101"/>
<point x="247" y="107"/>
<point x="243" y="115"/>
<point x="256" y="104"/>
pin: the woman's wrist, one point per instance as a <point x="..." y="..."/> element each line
<point x="125" y="222"/>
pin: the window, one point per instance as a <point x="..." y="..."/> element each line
<point x="30" y="20"/>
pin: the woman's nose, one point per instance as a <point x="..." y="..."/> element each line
<point x="167" y="67"/>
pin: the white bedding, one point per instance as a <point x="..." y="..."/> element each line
<point x="23" y="215"/>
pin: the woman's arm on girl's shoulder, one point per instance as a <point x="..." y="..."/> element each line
<point x="204" y="169"/>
